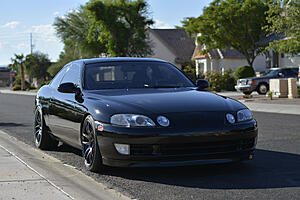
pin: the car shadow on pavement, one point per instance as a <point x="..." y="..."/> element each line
<point x="269" y="169"/>
<point x="10" y="124"/>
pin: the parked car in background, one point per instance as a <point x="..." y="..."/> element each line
<point x="261" y="84"/>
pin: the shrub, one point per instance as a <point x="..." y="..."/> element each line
<point x="17" y="85"/>
<point x="190" y="71"/>
<point x="44" y="83"/>
<point x="243" y="72"/>
<point x="220" y="82"/>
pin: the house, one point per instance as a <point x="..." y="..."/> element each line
<point x="172" y="45"/>
<point x="275" y="59"/>
<point x="223" y="59"/>
<point x="5" y="77"/>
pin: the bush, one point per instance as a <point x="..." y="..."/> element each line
<point x="190" y="71"/>
<point x="17" y="85"/>
<point x="243" y="72"/>
<point x="220" y="82"/>
<point x="44" y="83"/>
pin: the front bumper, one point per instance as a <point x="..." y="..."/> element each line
<point x="149" y="147"/>
<point x="245" y="88"/>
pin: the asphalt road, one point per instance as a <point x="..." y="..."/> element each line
<point x="273" y="174"/>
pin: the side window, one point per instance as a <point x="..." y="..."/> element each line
<point x="72" y="75"/>
<point x="56" y="80"/>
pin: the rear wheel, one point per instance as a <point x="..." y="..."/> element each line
<point x="90" y="148"/>
<point x="262" y="88"/>
<point x="42" y="138"/>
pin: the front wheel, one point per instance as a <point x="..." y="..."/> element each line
<point x="262" y="88"/>
<point x="42" y="139"/>
<point x="90" y="148"/>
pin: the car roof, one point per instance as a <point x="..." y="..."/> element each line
<point x="277" y="68"/>
<point x="118" y="59"/>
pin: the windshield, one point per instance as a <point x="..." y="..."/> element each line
<point x="272" y="73"/>
<point x="123" y="75"/>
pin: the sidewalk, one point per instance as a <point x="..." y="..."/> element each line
<point x="27" y="173"/>
<point x="19" y="181"/>
<point x="9" y="91"/>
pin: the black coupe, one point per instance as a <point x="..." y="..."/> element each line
<point x="134" y="112"/>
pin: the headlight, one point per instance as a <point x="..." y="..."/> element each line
<point x="244" y="115"/>
<point x="131" y="120"/>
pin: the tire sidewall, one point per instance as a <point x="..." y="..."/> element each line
<point x="96" y="165"/>
<point x="259" y="88"/>
<point x="38" y="110"/>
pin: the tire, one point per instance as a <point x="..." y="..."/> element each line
<point x="262" y="88"/>
<point x="42" y="138"/>
<point x="247" y="93"/>
<point x="90" y="149"/>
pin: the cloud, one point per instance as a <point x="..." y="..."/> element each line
<point x="19" y="46"/>
<point x="3" y="45"/>
<point x="161" y="25"/>
<point x="45" y="32"/>
<point x="56" y="13"/>
<point x="11" y="25"/>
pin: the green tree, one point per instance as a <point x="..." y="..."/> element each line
<point x="36" y="65"/>
<point x="234" y="23"/>
<point x="284" y="18"/>
<point x="73" y="29"/>
<point x="122" y="26"/>
<point x="18" y="63"/>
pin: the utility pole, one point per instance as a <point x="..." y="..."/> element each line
<point x="31" y="45"/>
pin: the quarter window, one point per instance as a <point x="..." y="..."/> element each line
<point x="56" y="80"/>
<point x="72" y="75"/>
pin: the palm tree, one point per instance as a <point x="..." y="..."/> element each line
<point x="18" y="61"/>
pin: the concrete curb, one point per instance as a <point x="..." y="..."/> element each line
<point x="273" y="108"/>
<point x="18" y="92"/>
<point x="70" y="182"/>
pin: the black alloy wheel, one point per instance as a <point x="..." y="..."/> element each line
<point x="90" y="149"/>
<point x="42" y="139"/>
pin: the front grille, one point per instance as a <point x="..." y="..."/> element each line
<point x="242" y="82"/>
<point x="192" y="148"/>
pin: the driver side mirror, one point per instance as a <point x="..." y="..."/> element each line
<point x="67" y="88"/>
<point x="280" y="74"/>
<point x="202" y="84"/>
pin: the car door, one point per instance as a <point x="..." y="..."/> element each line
<point x="64" y="114"/>
<point x="53" y="85"/>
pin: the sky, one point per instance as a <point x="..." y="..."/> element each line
<point x="20" y="18"/>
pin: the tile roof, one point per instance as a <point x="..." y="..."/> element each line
<point x="178" y="42"/>
<point x="231" y="53"/>
<point x="217" y="53"/>
<point x="270" y="38"/>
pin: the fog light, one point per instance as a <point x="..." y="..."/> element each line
<point x="123" y="149"/>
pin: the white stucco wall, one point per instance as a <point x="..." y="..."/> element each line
<point x="289" y="61"/>
<point x="160" y="51"/>
<point x="231" y="63"/>
<point x="217" y="64"/>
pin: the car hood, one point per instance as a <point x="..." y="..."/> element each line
<point x="159" y="101"/>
